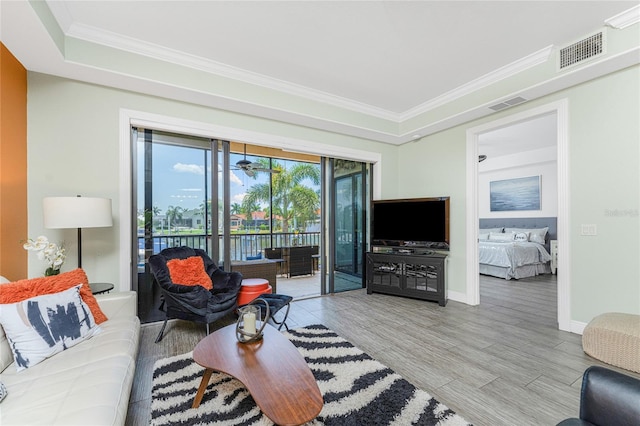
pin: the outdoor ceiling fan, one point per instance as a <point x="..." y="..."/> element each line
<point x="250" y="168"/>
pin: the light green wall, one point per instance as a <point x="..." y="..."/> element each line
<point x="605" y="182"/>
<point x="604" y="177"/>
<point x="435" y="167"/>
<point x="73" y="148"/>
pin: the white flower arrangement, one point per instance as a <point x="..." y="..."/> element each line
<point x="52" y="253"/>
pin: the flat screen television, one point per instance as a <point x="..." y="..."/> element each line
<point x="415" y="222"/>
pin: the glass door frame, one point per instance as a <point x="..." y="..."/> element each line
<point x="221" y="167"/>
<point x="148" y="201"/>
<point x="220" y="155"/>
<point x="365" y="197"/>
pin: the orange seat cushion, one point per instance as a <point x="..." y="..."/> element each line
<point x="18" y="291"/>
<point x="251" y="289"/>
<point x="189" y="271"/>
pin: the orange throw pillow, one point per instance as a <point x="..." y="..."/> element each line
<point x="189" y="271"/>
<point x="18" y="291"/>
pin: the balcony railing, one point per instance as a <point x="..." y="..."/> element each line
<point x="242" y="245"/>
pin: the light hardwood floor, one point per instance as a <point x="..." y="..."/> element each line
<point x="503" y="362"/>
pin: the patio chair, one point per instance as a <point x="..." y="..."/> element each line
<point x="301" y="261"/>
<point x="194" y="302"/>
<point x="275" y="254"/>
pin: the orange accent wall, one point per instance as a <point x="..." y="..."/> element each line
<point x="13" y="166"/>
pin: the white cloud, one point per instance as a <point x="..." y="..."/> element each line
<point x="183" y="196"/>
<point x="235" y="179"/>
<point x="188" y="168"/>
<point x="239" y="198"/>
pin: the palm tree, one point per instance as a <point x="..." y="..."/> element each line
<point x="174" y="214"/>
<point x="248" y="207"/>
<point x="155" y="210"/>
<point x="291" y="199"/>
<point x="204" y="209"/>
<point x="236" y="208"/>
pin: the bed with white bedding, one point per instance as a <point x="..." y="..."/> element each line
<point x="513" y="259"/>
<point x="511" y="252"/>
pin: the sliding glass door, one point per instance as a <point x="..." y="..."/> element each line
<point x="172" y="204"/>
<point x="350" y="200"/>
<point x="201" y="193"/>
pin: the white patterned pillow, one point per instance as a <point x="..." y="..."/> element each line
<point x="3" y="391"/>
<point x="522" y="236"/>
<point x="42" y="326"/>
<point x="536" y="235"/>
<point x="501" y="236"/>
<point x="539" y="235"/>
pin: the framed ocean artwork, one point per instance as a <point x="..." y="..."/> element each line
<point x="515" y="194"/>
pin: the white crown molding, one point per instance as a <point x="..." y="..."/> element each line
<point x="624" y="19"/>
<point x="61" y="13"/>
<point x="155" y="51"/>
<point x="493" y="77"/>
<point x="586" y="72"/>
<point x="131" y="45"/>
<point x="24" y="42"/>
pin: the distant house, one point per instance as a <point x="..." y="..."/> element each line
<point x="236" y="221"/>
<point x="257" y="219"/>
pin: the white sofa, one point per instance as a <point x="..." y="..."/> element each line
<point x="87" y="384"/>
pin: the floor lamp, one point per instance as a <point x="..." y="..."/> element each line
<point x="77" y="212"/>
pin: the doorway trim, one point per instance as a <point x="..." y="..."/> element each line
<point x="154" y="121"/>
<point x="561" y="109"/>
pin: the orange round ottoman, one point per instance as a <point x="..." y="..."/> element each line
<point x="252" y="288"/>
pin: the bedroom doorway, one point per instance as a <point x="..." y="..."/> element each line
<point x="487" y="140"/>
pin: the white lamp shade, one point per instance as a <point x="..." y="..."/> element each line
<point x="77" y="212"/>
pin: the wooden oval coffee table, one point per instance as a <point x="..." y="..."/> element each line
<point x="273" y="371"/>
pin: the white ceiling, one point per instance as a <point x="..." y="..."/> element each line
<point x="530" y="135"/>
<point x="389" y="58"/>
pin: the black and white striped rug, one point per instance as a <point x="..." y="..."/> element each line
<point x="357" y="390"/>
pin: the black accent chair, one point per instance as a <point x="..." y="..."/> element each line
<point x="607" y="398"/>
<point x="194" y="303"/>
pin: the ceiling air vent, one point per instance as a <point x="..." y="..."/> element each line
<point x="582" y="50"/>
<point x="508" y="103"/>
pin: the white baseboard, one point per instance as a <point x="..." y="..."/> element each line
<point x="457" y="296"/>
<point x="577" y="327"/>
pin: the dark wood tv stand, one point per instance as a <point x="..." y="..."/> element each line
<point x="404" y="273"/>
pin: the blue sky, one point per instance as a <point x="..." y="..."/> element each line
<point x="179" y="177"/>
